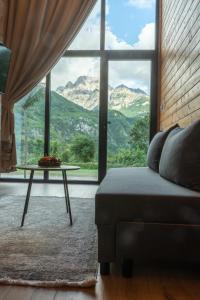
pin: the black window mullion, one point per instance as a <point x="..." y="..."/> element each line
<point x="153" y="98"/>
<point x="130" y="54"/>
<point x="47" y="121"/>
<point x="103" y="98"/>
<point x="103" y="25"/>
<point x="82" y="53"/>
<point x="103" y="118"/>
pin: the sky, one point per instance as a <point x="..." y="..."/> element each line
<point x="130" y="24"/>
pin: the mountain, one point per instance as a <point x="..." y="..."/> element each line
<point x="67" y="119"/>
<point x="128" y="101"/>
<point x="85" y="92"/>
<point x="139" y="107"/>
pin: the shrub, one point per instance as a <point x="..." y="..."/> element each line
<point x="65" y="156"/>
<point x="83" y="148"/>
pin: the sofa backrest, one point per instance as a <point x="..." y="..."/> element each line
<point x="180" y="157"/>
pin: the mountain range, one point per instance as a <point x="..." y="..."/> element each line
<point x="74" y="111"/>
<point x="85" y="92"/>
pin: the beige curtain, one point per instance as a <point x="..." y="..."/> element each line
<point x="38" y="32"/>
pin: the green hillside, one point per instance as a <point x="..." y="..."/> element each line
<point x="140" y="106"/>
<point x="67" y="121"/>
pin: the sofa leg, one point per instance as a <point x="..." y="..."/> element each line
<point x="104" y="268"/>
<point x="127" y="268"/>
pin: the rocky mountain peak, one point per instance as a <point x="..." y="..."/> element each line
<point x="124" y="87"/>
<point x="85" y="80"/>
<point x="69" y="85"/>
<point x="80" y="80"/>
<point x="139" y="91"/>
<point x="121" y="86"/>
<point x="85" y="92"/>
<point x="60" y="89"/>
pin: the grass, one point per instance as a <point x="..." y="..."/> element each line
<point x="93" y="173"/>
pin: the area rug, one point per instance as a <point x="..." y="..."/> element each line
<point x="47" y="251"/>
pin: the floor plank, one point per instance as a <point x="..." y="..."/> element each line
<point x="146" y="284"/>
<point x="21" y="293"/>
<point x="74" y="294"/>
<point x="43" y="294"/>
<point x="3" y="291"/>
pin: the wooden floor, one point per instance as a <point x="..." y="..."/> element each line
<point x="146" y="284"/>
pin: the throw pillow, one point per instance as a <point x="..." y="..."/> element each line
<point x="180" y="159"/>
<point x="155" y="148"/>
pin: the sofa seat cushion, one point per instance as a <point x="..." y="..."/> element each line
<point x="140" y="194"/>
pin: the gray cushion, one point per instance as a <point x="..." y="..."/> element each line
<point x="180" y="159"/>
<point x="140" y="194"/>
<point x="155" y="148"/>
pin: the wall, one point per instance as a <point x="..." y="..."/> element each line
<point x="179" y="90"/>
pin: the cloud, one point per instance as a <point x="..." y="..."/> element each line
<point x="135" y="74"/>
<point x="88" y="37"/>
<point x="70" y="68"/>
<point x="141" y="3"/>
<point x="114" y="43"/>
<point x="146" y="38"/>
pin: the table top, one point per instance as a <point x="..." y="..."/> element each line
<point x="38" y="168"/>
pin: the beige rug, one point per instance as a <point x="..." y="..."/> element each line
<point x="47" y="251"/>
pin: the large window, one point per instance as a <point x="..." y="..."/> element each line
<point x="74" y="115"/>
<point x="128" y="113"/>
<point x="97" y="107"/>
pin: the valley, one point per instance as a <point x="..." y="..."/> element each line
<point x="74" y="113"/>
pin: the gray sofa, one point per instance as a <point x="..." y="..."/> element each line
<point x="141" y="216"/>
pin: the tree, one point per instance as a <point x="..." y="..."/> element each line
<point x="83" y="148"/>
<point x="65" y="156"/>
<point x="139" y="134"/>
<point x="135" y="154"/>
<point x="54" y="149"/>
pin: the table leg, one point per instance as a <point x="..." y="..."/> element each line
<point x="65" y="190"/>
<point x="27" y="197"/>
<point x="67" y="198"/>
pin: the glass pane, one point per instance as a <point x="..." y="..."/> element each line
<point x="90" y="32"/>
<point x="29" y="130"/>
<point x="136" y="28"/>
<point x="128" y="113"/>
<point x="74" y="115"/>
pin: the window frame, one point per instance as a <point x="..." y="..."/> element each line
<point x="105" y="56"/>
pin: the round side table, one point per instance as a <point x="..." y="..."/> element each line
<point x="34" y="168"/>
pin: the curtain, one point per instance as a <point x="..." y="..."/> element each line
<point x="38" y="32"/>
